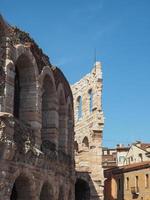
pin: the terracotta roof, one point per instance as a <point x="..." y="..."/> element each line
<point x="140" y="164"/>
<point x="144" y="146"/>
<point x="127" y="168"/>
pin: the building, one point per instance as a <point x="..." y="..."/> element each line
<point x="109" y="157"/>
<point x="113" y="157"/>
<point x="138" y="152"/>
<point x="36" y="122"/>
<point x="128" y="182"/>
<point x="125" y="155"/>
<point x="122" y="152"/>
<point x="89" y="124"/>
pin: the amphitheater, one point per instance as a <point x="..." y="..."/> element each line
<point x="36" y="130"/>
<point x="42" y="123"/>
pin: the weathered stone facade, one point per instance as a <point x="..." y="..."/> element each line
<point x="36" y="122"/>
<point x="89" y="121"/>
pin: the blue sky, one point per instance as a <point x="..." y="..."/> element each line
<point x="69" y="31"/>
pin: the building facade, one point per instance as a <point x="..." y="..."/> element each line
<point x="138" y="152"/>
<point x="36" y="122"/>
<point x="112" y="157"/>
<point x="109" y="157"/>
<point x="122" y="152"/>
<point x="89" y="122"/>
<point x="128" y="182"/>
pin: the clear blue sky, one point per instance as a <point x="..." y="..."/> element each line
<point x="69" y="30"/>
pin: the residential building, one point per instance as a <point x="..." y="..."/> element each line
<point x="122" y="152"/>
<point x="128" y="182"/>
<point x="109" y="157"/>
<point x="112" y="157"/>
<point x="138" y="152"/>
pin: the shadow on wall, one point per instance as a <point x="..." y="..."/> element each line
<point x="114" y="186"/>
<point x="84" y="187"/>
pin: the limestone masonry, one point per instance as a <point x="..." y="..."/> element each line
<point x="89" y="122"/>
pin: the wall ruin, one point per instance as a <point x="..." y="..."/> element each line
<point x="89" y="122"/>
<point x="36" y="122"/>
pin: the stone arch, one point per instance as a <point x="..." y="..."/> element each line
<point x="85" y="143"/>
<point x="49" y="109"/>
<point x="47" y="71"/>
<point x="70" y="122"/>
<point x="62" y="140"/>
<point x="22" y="188"/>
<point x="25" y="85"/>
<point x="46" y="192"/>
<point x="82" y="190"/>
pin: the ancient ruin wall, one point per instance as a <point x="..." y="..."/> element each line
<point x="36" y="122"/>
<point x="87" y="94"/>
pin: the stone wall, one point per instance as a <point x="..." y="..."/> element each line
<point x="36" y="123"/>
<point x="89" y="121"/>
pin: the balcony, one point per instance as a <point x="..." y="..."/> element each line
<point x="135" y="190"/>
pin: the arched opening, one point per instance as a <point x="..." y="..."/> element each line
<point x="46" y="192"/>
<point x="49" y="112"/>
<point x="21" y="189"/>
<point x="85" y="143"/>
<point x="76" y="147"/>
<point x="82" y="190"/>
<point x="70" y="129"/>
<point x="90" y="100"/>
<point x="63" y="132"/>
<point x="79" y="107"/>
<point x="24" y="88"/>
<point x="16" y="94"/>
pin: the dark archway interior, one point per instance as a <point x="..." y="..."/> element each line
<point x="70" y="130"/>
<point x="14" y="195"/>
<point x="24" y="88"/>
<point x="62" y="123"/>
<point x="82" y="190"/>
<point x="48" y="109"/>
<point x="47" y="102"/>
<point x="21" y="189"/>
<point x="16" y="94"/>
<point x="76" y="147"/>
<point x="46" y="192"/>
<point x="85" y="142"/>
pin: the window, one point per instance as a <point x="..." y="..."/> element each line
<point x="128" y="160"/>
<point x="85" y="143"/>
<point x="127" y="183"/>
<point x="90" y="100"/>
<point x="141" y="157"/>
<point x="79" y="108"/>
<point x="119" y="184"/>
<point x="76" y="147"/>
<point x="121" y="159"/>
<point x="136" y="181"/>
<point x="146" y="180"/>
